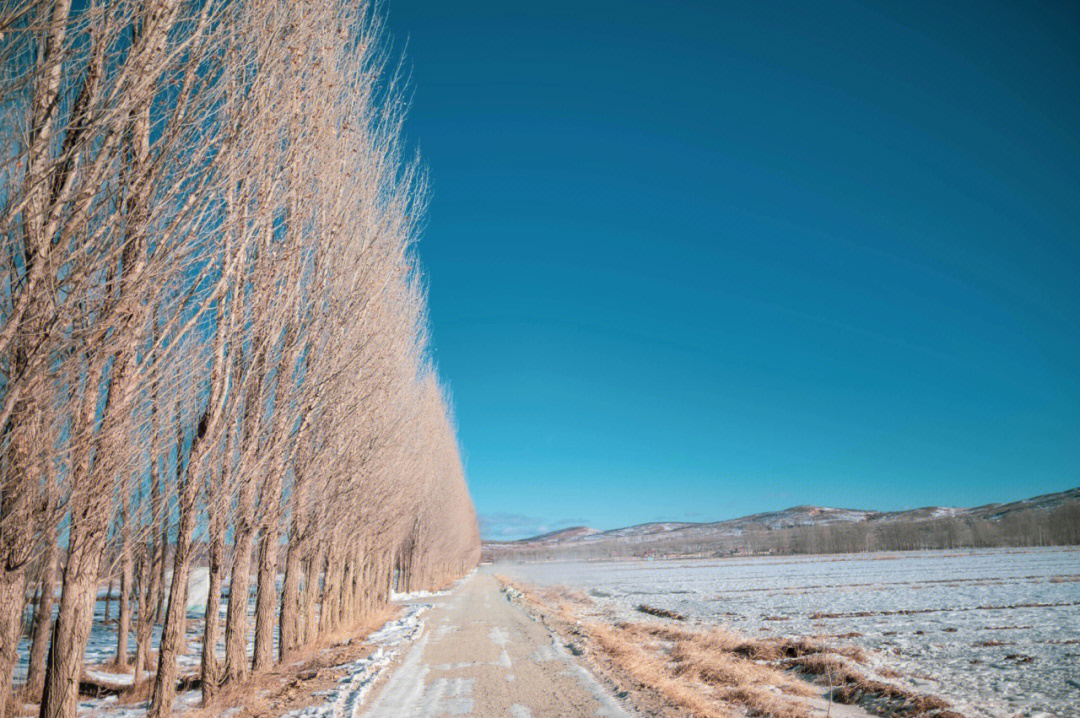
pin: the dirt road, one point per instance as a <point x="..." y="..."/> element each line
<point x="480" y="655"/>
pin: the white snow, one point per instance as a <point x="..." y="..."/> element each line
<point x="125" y="679"/>
<point x="361" y="675"/>
<point x="110" y="707"/>
<point x="198" y="586"/>
<point x="418" y="595"/>
<point x="414" y="595"/>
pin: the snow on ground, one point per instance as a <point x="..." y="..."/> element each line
<point x="414" y="595"/>
<point x="116" y="679"/>
<point x="996" y="632"/>
<point x="362" y="674"/>
<point x="110" y="707"/>
<point x="101" y="648"/>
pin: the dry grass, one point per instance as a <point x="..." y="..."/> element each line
<point x="660" y="612"/>
<point x="853" y="686"/>
<point x="113" y="667"/>
<point x="738" y="680"/>
<point x="712" y="671"/>
<point x="1062" y="642"/>
<point x="138" y="692"/>
<point x="652" y="671"/>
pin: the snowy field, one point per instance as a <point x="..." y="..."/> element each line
<point x="995" y="632"/>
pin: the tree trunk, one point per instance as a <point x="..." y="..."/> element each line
<point x="311" y="594"/>
<point x="163" y="541"/>
<point x="331" y="593"/>
<point x="289" y="616"/>
<point x="17" y="534"/>
<point x="172" y="633"/>
<point x="266" y="599"/>
<point x="348" y="605"/>
<point x="123" y="628"/>
<point x="368" y="589"/>
<point x="90" y="514"/>
<point x="153" y="561"/>
<point x="12" y="605"/>
<point x="211" y="669"/>
<point x="144" y="619"/>
<point x="236" y="623"/>
<point x="383" y="595"/>
<point x="108" y="601"/>
<point x="353" y="601"/>
<point x="60" y="699"/>
<point x="39" y="644"/>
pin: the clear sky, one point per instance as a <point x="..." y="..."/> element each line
<point x="693" y="260"/>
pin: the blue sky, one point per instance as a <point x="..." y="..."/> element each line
<point x="693" y="260"/>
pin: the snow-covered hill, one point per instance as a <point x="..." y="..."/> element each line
<point x="668" y="533"/>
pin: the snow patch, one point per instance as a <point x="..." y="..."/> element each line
<point x="118" y="679"/>
<point x="415" y="595"/>
<point x="362" y="674"/>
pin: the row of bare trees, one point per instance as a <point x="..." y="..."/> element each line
<point x="213" y="345"/>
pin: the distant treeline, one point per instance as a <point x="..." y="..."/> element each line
<point x="1059" y="526"/>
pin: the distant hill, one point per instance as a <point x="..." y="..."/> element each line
<point x="560" y="536"/>
<point x="1051" y="519"/>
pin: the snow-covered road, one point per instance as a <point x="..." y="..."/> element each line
<point x="480" y="655"/>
